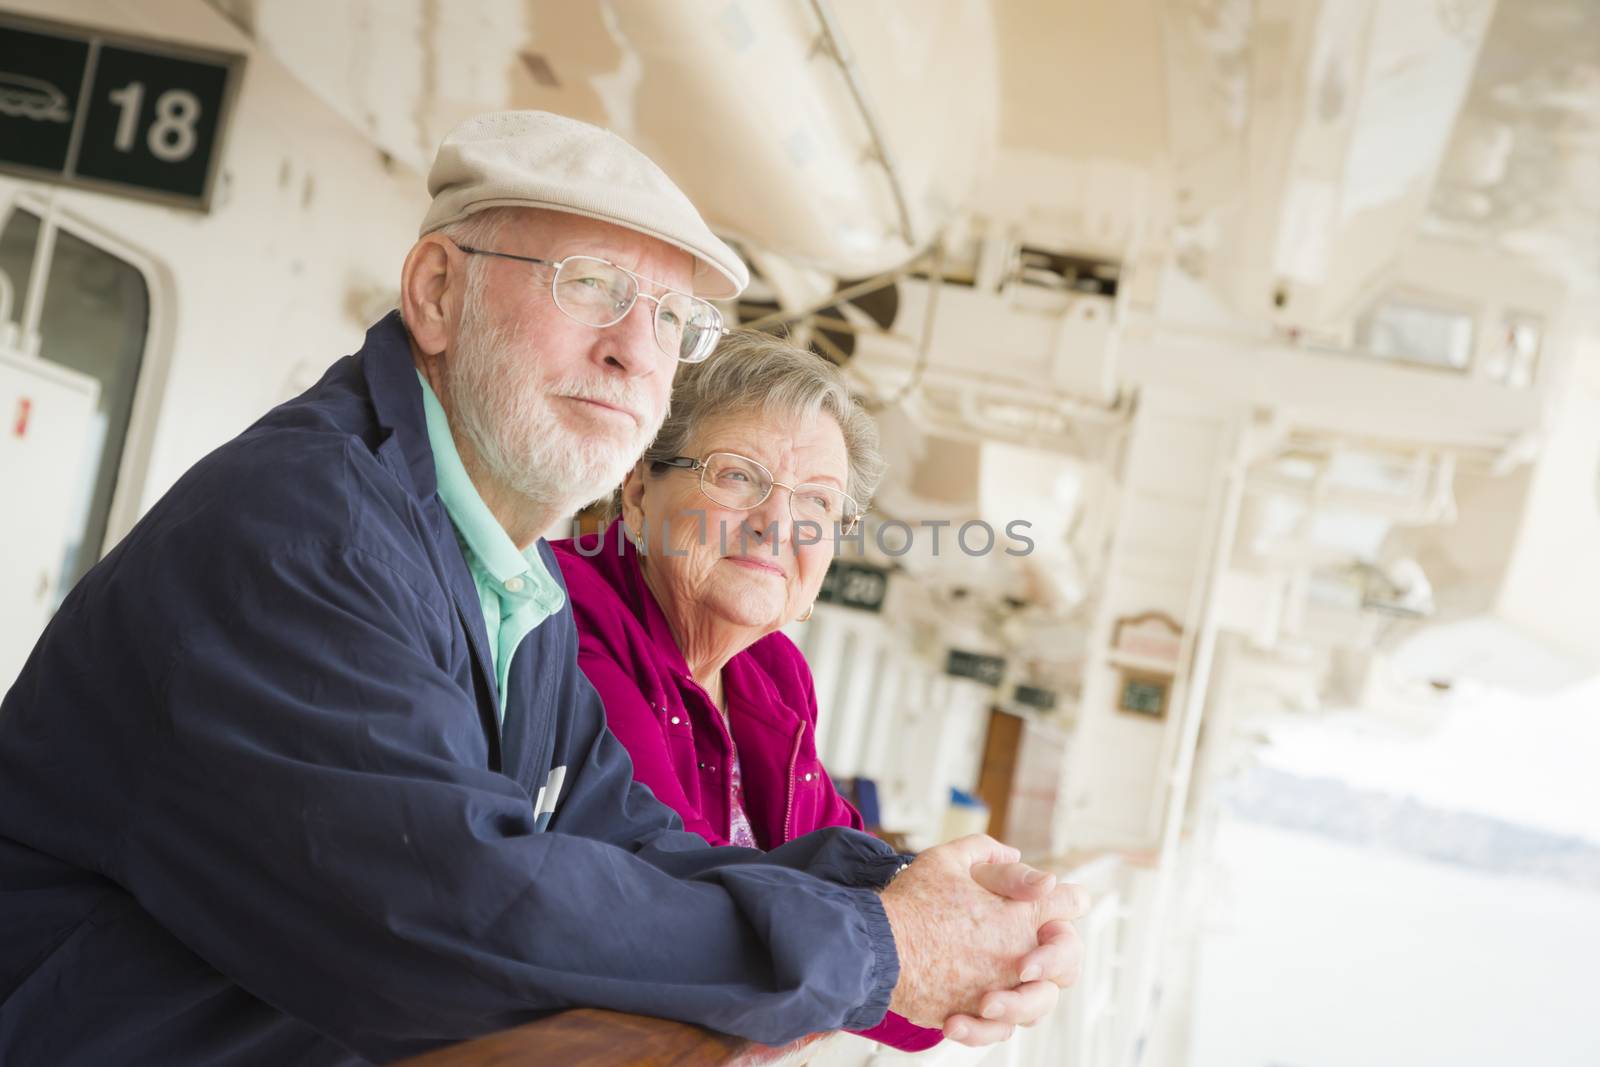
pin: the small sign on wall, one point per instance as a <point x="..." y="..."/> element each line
<point x="121" y="114"/>
<point x="975" y="665"/>
<point x="1146" y="648"/>
<point x="1036" y="697"/>
<point x="1143" y="693"/>
<point x="862" y="586"/>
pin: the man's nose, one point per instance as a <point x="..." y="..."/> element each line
<point x="630" y="345"/>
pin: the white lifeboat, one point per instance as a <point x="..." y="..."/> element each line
<point x="858" y="164"/>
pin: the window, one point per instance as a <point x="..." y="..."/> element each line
<point x="1417" y="332"/>
<point x="93" y="318"/>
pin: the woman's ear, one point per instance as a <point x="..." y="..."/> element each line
<point x="633" y="497"/>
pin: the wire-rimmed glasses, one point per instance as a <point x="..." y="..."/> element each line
<point x="738" y="482"/>
<point x="597" y="292"/>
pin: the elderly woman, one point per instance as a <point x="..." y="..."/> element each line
<point x="728" y="526"/>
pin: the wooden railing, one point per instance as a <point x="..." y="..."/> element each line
<point x="589" y="1037"/>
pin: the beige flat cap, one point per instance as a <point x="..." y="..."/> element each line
<point x="536" y="159"/>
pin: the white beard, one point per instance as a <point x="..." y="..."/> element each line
<point x="498" y="405"/>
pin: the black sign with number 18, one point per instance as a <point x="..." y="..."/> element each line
<point x="86" y="107"/>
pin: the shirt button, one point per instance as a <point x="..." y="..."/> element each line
<point x="513" y="585"/>
<point x="809" y="776"/>
<point x="675" y="720"/>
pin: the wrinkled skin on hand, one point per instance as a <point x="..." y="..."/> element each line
<point x="985" y="942"/>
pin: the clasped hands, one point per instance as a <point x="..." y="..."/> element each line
<point x="986" y="943"/>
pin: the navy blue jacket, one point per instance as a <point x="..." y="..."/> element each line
<point x="255" y="806"/>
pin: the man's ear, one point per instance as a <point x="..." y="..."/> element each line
<point x="426" y="284"/>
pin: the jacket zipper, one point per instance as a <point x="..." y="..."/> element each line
<point x="794" y="759"/>
<point x="732" y="753"/>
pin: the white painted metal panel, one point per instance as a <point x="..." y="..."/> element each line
<point x="44" y="442"/>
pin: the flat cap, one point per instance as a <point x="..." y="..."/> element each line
<point x="536" y="159"/>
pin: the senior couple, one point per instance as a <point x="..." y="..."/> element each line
<point x="306" y="769"/>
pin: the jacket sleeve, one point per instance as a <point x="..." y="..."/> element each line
<point x="308" y="822"/>
<point x="629" y="716"/>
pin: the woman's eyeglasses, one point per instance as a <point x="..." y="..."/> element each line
<point x="735" y="481"/>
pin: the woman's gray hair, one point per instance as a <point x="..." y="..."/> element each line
<point x="752" y="372"/>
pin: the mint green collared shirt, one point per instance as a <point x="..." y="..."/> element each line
<point x="515" y="588"/>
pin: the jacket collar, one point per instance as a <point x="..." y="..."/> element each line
<point x="744" y="679"/>
<point x="391" y="375"/>
<point x="617" y="561"/>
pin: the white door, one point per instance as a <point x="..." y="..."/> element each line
<point x="46" y="420"/>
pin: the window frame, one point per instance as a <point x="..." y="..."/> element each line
<point x="144" y="412"/>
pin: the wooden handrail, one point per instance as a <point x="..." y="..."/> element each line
<point x="589" y="1037"/>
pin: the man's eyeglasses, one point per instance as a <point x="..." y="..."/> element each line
<point x="597" y="292"/>
<point x="737" y="482"/>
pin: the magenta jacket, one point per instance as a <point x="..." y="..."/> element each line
<point x="677" y="737"/>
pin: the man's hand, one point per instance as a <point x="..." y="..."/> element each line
<point x="985" y="942"/>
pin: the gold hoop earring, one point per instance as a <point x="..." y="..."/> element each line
<point x="807" y="615"/>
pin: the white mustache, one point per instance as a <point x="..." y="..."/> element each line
<point x="605" y="391"/>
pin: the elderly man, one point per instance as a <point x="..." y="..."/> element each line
<point x="305" y="771"/>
